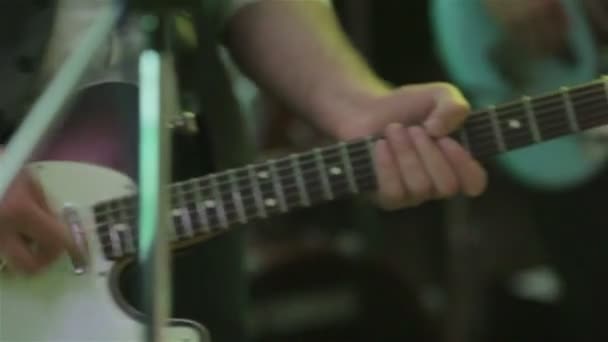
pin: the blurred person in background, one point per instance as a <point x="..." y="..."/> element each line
<point x="545" y="203"/>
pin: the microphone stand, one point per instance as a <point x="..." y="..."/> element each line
<point x="158" y="102"/>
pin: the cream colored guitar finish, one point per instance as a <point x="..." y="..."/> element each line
<point x="66" y="304"/>
<point x="74" y="303"/>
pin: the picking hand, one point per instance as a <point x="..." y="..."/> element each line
<point x="31" y="237"/>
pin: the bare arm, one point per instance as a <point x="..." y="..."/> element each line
<point x="297" y="52"/>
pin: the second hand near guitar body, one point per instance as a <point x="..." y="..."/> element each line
<point x="474" y="51"/>
<point x="72" y="303"/>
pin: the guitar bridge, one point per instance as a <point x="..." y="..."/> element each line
<point x="77" y="232"/>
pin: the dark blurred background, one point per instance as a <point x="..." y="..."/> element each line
<point x="504" y="267"/>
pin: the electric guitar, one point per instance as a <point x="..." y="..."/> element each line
<point x="477" y="56"/>
<point x="73" y="302"/>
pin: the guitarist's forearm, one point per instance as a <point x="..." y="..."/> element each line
<point x="320" y="72"/>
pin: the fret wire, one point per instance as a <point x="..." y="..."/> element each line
<point x="569" y="109"/>
<point x="115" y="244"/>
<point x="237" y="197"/>
<point x="304" y="198"/>
<point x="514" y="127"/>
<point x="176" y="223"/>
<point x="116" y="228"/>
<point x="358" y="159"/>
<point x="187" y="190"/>
<point x="219" y="202"/>
<point x="596" y="117"/>
<point x="552" y="105"/>
<point x="267" y="189"/>
<point x="129" y="242"/>
<point x="584" y="104"/>
<point x="201" y="209"/>
<point x="589" y="90"/>
<point x="323" y="173"/>
<point x="277" y="185"/>
<point x="604" y="79"/>
<point x="257" y="192"/>
<point x="587" y="100"/>
<point x="183" y="211"/>
<point x="200" y="199"/>
<point x="589" y="120"/>
<point x="500" y="140"/>
<point x="365" y="178"/>
<point x="527" y="103"/>
<point x="336" y="172"/>
<point x="204" y="185"/>
<point x="350" y="176"/>
<point x="231" y="221"/>
<point x="553" y="128"/>
<point x="589" y="112"/>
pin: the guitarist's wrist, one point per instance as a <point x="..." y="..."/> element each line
<point x="342" y="108"/>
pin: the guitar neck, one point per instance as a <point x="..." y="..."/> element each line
<point x="211" y="204"/>
<point x="529" y="121"/>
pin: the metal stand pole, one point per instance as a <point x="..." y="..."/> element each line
<point x="158" y="101"/>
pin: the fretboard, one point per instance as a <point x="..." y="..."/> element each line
<point x="214" y="203"/>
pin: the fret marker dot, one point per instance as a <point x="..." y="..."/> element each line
<point x="270" y="202"/>
<point x="515" y="124"/>
<point x="210" y="204"/>
<point x="263" y="174"/>
<point x="336" y="171"/>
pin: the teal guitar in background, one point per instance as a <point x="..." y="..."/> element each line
<point x="478" y="59"/>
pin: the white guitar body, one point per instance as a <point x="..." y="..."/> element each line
<point x="61" y="305"/>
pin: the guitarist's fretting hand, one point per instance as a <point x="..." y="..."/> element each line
<point x="31" y="237"/>
<point x="418" y="163"/>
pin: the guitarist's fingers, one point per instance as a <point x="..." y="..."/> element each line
<point x="48" y="234"/>
<point x="17" y="255"/>
<point x="450" y="110"/>
<point x="418" y="184"/>
<point x="391" y="191"/>
<point x="473" y="178"/>
<point x="444" y="179"/>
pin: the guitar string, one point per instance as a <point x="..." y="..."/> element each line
<point x="249" y="190"/>
<point x="230" y="213"/>
<point x="201" y="230"/>
<point x="527" y="140"/>
<point x="336" y="150"/>
<point x="539" y="110"/>
<point x="485" y="125"/>
<point x="331" y="151"/>
<point x="548" y="125"/>
<point x="231" y="218"/>
<point x="304" y="169"/>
